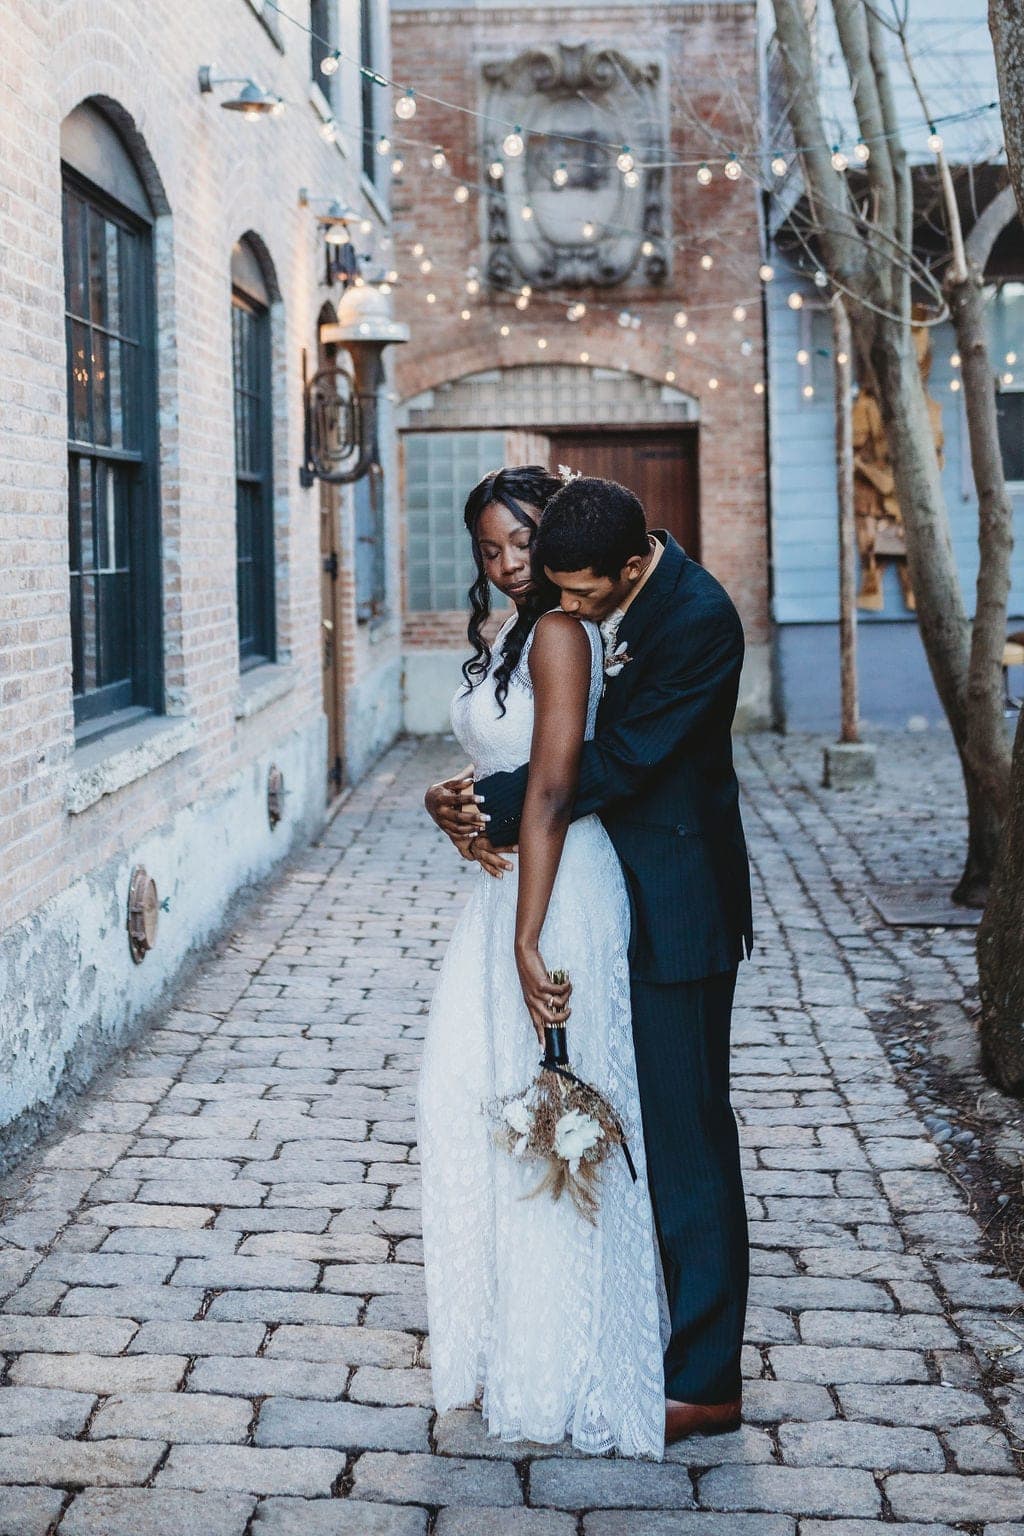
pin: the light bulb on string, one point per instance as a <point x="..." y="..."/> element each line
<point x="759" y="387"/>
<point x="707" y="262"/>
<point x="862" y="152"/>
<point x="1011" y="358"/>
<point x="704" y="173"/>
<point x="426" y="265"/>
<point x="584" y="357"/>
<point x="746" y="347"/>
<point x="808" y="391"/>
<point x="504" y="331"/>
<point x="712" y="383"/>
<point x="431" y="298"/>
<point x="512" y="143"/>
<point x="935" y="142"/>
<point x="954" y="385"/>
<point x="670" y="375"/>
<point x="542" y="342"/>
<point x="779" y="165"/>
<point x="522" y="302"/>
<point x="472" y="285"/>
<point x="766" y="271"/>
<point x="576" y="311"/>
<point x="624" y="160"/>
<point x="839" y="159"/>
<point x="733" y="169"/>
<point x="495" y="170"/>
<point x="795" y="301"/>
<point x="405" y="106"/>
<point x="1007" y="378"/>
<point x="587" y="230"/>
<point x="739" y="314"/>
<point x="820" y="278"/>
<point x="679" y="319"/>
<point x="631" y="179"/>
<point x="383" y="145"/>
<point x="954" y="361"/>
<point x="397" y="166"/>
<point x="439" y="159"/>
<point x="842" y="358"/>
<point x="526" y="290"/>
<point x="635" y="323"/>
<point x="392" y="276"/>
<point x="624" y="318"/>
<point x="560" y="175"/>
<point x="330" y="64"/>
<point x="366" y="226"/>
<point x="526" y="212"/>
<point x="461" y="194"/>
<point x="647" y="248"/>
<point x="418" y="248"/>
<point x="690" y="338"/>
<point x="803" y="357"/>
<point x="384" y="288"/>
<point x="466" y="313"/>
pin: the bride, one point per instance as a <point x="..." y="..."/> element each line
<point x="551" y="1324"/>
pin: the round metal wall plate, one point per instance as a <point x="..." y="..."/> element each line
<point x="143" y="913"/>
<point x="275" y="795"/>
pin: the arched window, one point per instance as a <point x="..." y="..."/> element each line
<point x="113" y="493"/>
<point x="250" y="347"/>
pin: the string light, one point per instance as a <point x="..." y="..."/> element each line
<point x="1011" y="358"/>
<point x="1007" y="378"/>
<point x="366" y="226"/>
<point x="587" y="231"/>
<point x="624" y="318"/>
<point x="842" y="358"/>
<point x="690" y="338"/>
<point x="679" y="319"/>
<point x="670" y="375"/>
<point x="576" y="311"/>
<point x="329" y="130"/>
<point x="795" y="301"/>
<point x="526" y="212"/>
<point x="466" y="313"/>
<point x="384" y="287"/>
<point x="820" y="279"/>
<point x="426" y="265"/>
<point x="647" y="248"/>
<point x="759" y="387"/>
<point x="935" y="142"/>
<point x="584" y="357"/>
<point x="505" y="329"/>
<point x="512" y="143"/>
<point x="330" y="64"/>
<point x="746" y="347"/>
<point x="803" y="357"/>
<point x="839" y="160"/>
<point x="954" y="361"/>
<point x="766" y="271"/>
<point x="405" y="106"/>
<point x="431" y="298"/>
<point x="397" y="166"/>
<point x="417" y="249"/>
<point x="707" y="262"/>
<point x="439" y="159"/>
<point x="542" y="342"/>
<point x="383" y="145"/>
<point x="739" y="314"/>
<point x="779" y="165"/>
<point x="522" y="302"/>
<point x="624" y="160"/>
<point x="560" y="175"/>
<point x="461" y="194"/>
<point x="808" y="391"/>
<point x="712" y="383"/>
<point x="954" y="385"/>
<point x="862" y="152"/>
<point x="733" y="169"/>
<point x="495" y="170"/>
<point x="704" y="174"/>
<point x="631" y="179"/>
<point x="472" y="285"/>
<point x="526" y="290"/>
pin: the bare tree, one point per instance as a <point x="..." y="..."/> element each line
<point x="867" y="252"/>
<point x="1000" y="967"/>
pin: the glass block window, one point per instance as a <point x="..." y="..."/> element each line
<point x="441" y="469"/>
<point x="113" y="504"/>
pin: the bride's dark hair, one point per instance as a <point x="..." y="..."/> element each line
<point x="528" y="485"/>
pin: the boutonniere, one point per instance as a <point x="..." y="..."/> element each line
<point x="616" y="660"/>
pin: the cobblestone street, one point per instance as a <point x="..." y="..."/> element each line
<point x="213" y="1316"/>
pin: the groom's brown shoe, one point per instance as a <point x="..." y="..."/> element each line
<point x="682" y="1419"/>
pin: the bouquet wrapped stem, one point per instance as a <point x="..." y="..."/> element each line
<point x="563" y="1123"/>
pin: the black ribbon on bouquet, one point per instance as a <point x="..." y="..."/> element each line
<point x="556" y="1059"/>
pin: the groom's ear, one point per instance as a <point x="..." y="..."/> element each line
<point x="633" y="568"/>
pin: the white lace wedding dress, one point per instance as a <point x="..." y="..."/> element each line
<point x="559" y="1322"/>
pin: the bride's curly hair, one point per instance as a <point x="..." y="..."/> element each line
<point x="526" y="485"/>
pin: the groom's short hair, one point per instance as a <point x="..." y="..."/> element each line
<point x="591" y="524"/>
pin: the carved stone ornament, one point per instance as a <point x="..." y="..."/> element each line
<point x="579" y="100"/>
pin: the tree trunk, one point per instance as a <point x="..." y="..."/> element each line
<point x="1000" y="964"/>
<point x="986" y="752"/>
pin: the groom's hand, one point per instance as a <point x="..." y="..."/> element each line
<point x="454" y="806"/>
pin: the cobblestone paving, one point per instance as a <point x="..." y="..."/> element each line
<point x="213" y="1315"/>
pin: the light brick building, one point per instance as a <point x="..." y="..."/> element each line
<point x="655" y="384"/>
<point x="154" y="333"/>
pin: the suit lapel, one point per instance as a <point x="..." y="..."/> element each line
<point x="639" y="617"/>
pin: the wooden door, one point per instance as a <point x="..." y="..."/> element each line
<point x="658" y="466"/>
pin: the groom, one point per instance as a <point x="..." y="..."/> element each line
<point x="659" y="773"/>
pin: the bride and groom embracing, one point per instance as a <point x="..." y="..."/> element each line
<point x="602" y="807"/>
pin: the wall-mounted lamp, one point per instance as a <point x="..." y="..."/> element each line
<point x="335" y="222"/>
<point x="341" y="406"/>
<point x="252" y="100"/>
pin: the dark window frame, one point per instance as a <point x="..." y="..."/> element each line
<point x="371" y="161"/>
<point x="320" y="27"/>
<point x="125" y="700"/>
<point x="255" y="486"/>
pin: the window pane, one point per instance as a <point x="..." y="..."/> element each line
<point x="97" y="267"/>
<point x="319" y="43"/>
<point x="100" y="388"/>
<point x="74" y="254"/>
<point x="79" y="373"/>
<point x="1010" y="408"/>
<point x="253" y="500"/>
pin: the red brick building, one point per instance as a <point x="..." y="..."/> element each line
<point x="658" y="382"/>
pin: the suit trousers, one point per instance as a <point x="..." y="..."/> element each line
<point x="681" y="1033"/>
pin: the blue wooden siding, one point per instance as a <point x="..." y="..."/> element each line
<point x="801" y="440"/>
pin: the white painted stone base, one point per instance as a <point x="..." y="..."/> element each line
<point x="373" y="717"/>
<point x="70" y="992"/>
<point x="431" y="678"/>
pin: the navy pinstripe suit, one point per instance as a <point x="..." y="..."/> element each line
<point x="659" y="773"/>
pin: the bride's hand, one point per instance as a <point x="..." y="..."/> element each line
<point x="453" y="805"/>
<point x="547" y="1001"/>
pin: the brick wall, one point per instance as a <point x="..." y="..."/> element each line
<point x="710" y="58"/>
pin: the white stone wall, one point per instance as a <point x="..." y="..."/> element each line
<point x="186" y="794"/>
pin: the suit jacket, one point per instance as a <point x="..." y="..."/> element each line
<point x="659" y="773"/>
